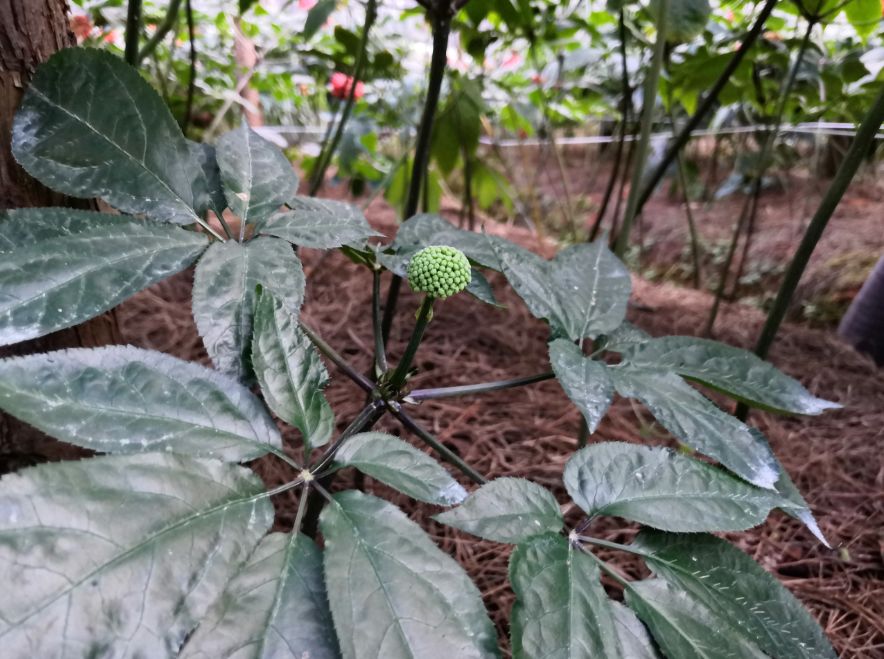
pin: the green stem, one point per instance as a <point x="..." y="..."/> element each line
<point x="357" y="426"/>
<point x="358" y="69"/>
<point x="706" y="105"/>
<point x="647" y="122"/>
<point x="447" y="454"/>
<point x="481" y="388"/>
<point x="610" y="545"/>
<point x="302" y="508"/>
<point x="162" y="30"/>
<point x="424" y="315"/>
<point x="191" y="80"/>
<point x="279" y="453"/>
<point x="133" y="28"/>
<point x="380" y="352"/>
<point x="607" y="569"/>
<point x="338" y="361"/>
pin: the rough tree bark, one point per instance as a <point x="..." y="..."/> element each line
<point x="30" y="31"/>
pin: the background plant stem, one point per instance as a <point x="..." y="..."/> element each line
<point x="424" y="315"/>
<point x="133" y="30"/>
<point x="162" y="30"/>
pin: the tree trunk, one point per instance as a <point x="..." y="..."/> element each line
<point x="31" y="31"/>
<point x="863" y="324"/>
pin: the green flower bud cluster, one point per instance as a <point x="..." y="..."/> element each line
<point x="439" y="271"/>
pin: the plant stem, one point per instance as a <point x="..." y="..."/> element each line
<point x="133" y="29"/>
<point x="441" y="30"/>
<point x="338" y="361"/>
<point x="481" y="388"/>
<point x="191" y="81"/>
<point x="607" y="569"/>
<point x="706" y="104"/>
<point x="380" y="352"/>
<point x="424" y="315"/>
<point x="162" y="30"/>
<point x="326" y="155"/>
<point x="279" y="453"/>
<point x="648" y="100"/>
<point x="302" y="508"/>
<point x="358" y="424"/>
<point x="610" y="545"/>
<point x="447" y="454"/>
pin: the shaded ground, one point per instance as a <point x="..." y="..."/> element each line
<point x="834" y="459"/>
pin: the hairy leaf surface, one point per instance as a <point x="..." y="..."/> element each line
<point x="561" y="610"/>
<point x="585" y="381"/>
<point x="128" y="400"/>
<point x="401" y="466"/>
<point x="393" y="593"/>
<point x="663" y="489"/>
<point x="59" y="266"/>
<point x="275" y="607"/>
<point x="121" y="554"/>
<point x="208" y="192"/>
<point x="319" y="223"/>
<point x="224" y="295"/>
<point x="90" y="126"/>
<point x="506" y="510"/>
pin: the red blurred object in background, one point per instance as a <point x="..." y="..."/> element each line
<point x="340" y="86"/>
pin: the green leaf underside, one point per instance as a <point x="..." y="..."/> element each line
<point x="582" y="292"/>
<point x="699" y="423"/>
<point x="208" y="192"/>
<point x="685" y="19"/>
<point x="624" y="337"/>
<point x="320" y="224"/>
<point x="224" y="295"/>
<point x="60" y="267"/>
<point x="393" y="593"/>
<point x="128" y="400"/>
<point x="561" y="610"/>
<point x="585" y="381"/>
<point x="275" y="607"/>
<point x="684" y="628"/>
<point x="663" y="489"/>
<point x="400" y="465"/>
<point x="91" y="126"/>
<point x="737" y="591"/>
<point x="506" y="510"/>
<point x="257" y="177"/>
<point x="290" y="372"/>
<point x="121" y="554"/>
<point x="635" y="642"/>
<point x="732" y="371"/>
<point x="427" y="230"/>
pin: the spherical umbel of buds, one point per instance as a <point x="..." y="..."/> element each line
<point x="439" y="271"/>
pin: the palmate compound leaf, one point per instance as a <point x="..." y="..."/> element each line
<point x="224" y="286"/>
<point x="393" y="593"/>
<point x="506" y="510"/>
<point x="90" y="126"/>
<point x="663" y="489"/>
<point x="121" y="555"/>
<point x="561" y="610"/>
<point x="585" y="381"/>
<point x="737" y="591"/>
<point x="698" y="422"/>
<point x="401" y="466"/>
<point x="128" y="400"/>
<point x="582" y="292"/>
<point x="60" y="267"/>
<point x="732" y="371"/>
<point x="275" y="607"/>
<point x="257" y="176"/>
<point x="290" y="372"/>
<point x="319" y="223"/>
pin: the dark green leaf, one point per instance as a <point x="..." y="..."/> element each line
<point x="121" y="399"/>
<point x="424" y="230"/>
<point x="635" y="642"/>
<point x="224" y="295"/>
<point x="735" y="372"/>
<point x="275" y="606"/>
<point x="480" y="289"/>
<point x="737" y="591"/>
<point x="320" y="223"/>
<point x="561" y="610"/>
<point x="257" y="177"/>
<point x="59" y="267"/>
<point x="208" y="193"/>
<point x="698" y="423"/>
<point x="582" y="292"/>
<point x="90" y="126"/>
<point x="317" y="16"/>
<point x="121" y="555"/>
<point x="393" y="593"/>
<point x="290" y="372"/>
<point x="506" y="510"/>
<point x="624" y="337"/>
<point x="585" y="381"/>
<point x="401" y="466"/>
<point x="663" y="489"/>
<point x="685" y="19"/>
<point x="684" y="628"/>
<point x="864" y="15"/>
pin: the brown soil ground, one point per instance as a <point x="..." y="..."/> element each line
<point x="530" y="432"/>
